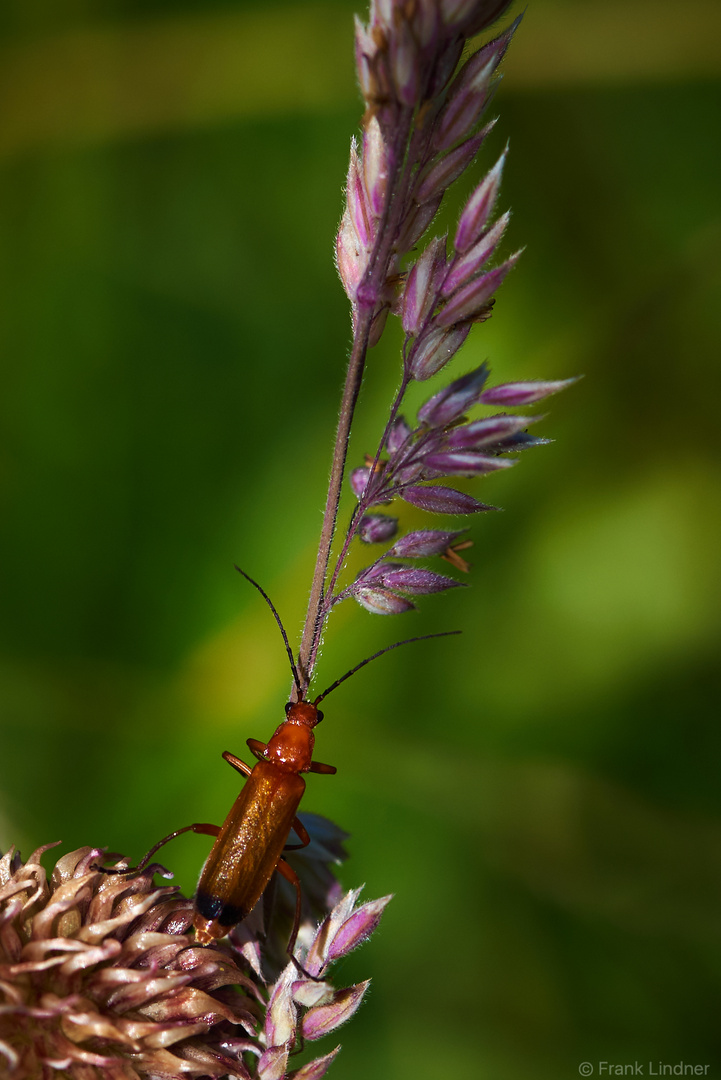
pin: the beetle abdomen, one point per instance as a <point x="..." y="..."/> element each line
<point x="247" y="850"/>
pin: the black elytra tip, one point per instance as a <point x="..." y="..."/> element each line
<point x="214" y="909"/>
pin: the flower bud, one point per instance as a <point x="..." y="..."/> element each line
<point x="410" y="472"/>
<point x="373" y="574"/>
<point x="444" y="171"/>
<point x="323" y="1019"/>
<point x="380" y="601"/>
<point x="435" y="348"/>
<point x="420" y="295"/>
<point x="487" y="432"/>
<point x="281" y="1014"/>
<point x="492" y="50"/>
<point x="466" y="463"/>
<point x="365" y="49"/>
<point x="359" y="480"/>
<point x="415" y="224"/>
<point x="479" y="207"/>
<point x="273" y="1063"/>
<point x="356" y="199"/>
<point x="468" y="265"/>
<point x="398" y="435"/>
<point x="469" y="300"/>
<point x="443" y="500"/>
<point x="523" y="441"/>
<point x="418" y="582"/>
<point x="424" y="542"/>
<point x="350" y="258"/>
<point x="524" y="393"/>
<point x="465" y="106"/>
<point x="355" y="930"/>
<point x="405" y="63"/>
<point x="375" y="166"/>
<point x="377" y="528"/>
<point x="317" y="1068"/>
<point x="453" y="400"/>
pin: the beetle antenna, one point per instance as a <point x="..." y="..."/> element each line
<point x="406" y="641"/>
<point x="277" y="618"/>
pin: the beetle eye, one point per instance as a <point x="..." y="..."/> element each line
<point x="288" y="707"/>
<point x="319" y="716"/>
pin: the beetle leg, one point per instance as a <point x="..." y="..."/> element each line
<point x="198" y="827"/>
<point x="319" y="767"/>
<point x="290" y="875"/>
<point x="258" y="748"/>
<point x="237" y="764"/>
<point x="301" y="832"/>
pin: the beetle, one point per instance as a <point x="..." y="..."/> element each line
<point x="249" y="845"/>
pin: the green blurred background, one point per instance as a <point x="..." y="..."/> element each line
<point x="542" y="793"/>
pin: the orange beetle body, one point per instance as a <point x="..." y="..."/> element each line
<point x="248" y="849"/>
<point x="250" y="843"/>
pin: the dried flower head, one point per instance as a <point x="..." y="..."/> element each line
<point x="100" y="978"/>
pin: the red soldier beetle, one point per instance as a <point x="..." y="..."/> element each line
<point x="249" y="845"/>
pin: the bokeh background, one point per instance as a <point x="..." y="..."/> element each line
<point x="542" y="793"/>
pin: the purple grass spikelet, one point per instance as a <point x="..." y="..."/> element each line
<point x="377" y="528"/>
<point x="434" y="348"/>
<point x="420" y="295"/>
<point x="425" y="104"/>
<point x="453" y="400"/>
<point x="375" y="166"/>
<point x="443" y="500"/>
<point x="465" y="266"/>
<point x="523" y="393"/>
<point x="438" y="176"/>
<point x="470" y="300"/>
<point x="479" y="207"/>
<point x="399" y="432"/>
<point x="424" y="542"/>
